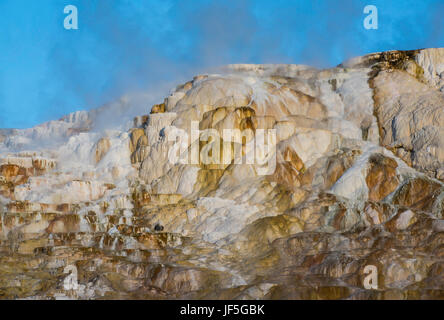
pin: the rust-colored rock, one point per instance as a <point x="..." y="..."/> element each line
<point x="158" y="108"/>
<point x="381" y="177"/>
<point x="102" y="148"/>
<point x="418" y="193"/>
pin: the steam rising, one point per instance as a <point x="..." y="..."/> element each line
<point x="145" y="48"/>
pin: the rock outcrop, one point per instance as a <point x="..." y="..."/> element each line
<point x="261" y="182"/>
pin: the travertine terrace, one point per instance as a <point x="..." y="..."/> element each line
<point x="359" y="180"/>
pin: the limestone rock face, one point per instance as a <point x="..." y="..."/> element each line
<point x="260" y="182"/>
<point x="411" y="116"/>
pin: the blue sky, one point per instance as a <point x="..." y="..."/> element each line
<point x="126" y="45"/>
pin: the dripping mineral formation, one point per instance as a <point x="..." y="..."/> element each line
<point x="89" y="213"/>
